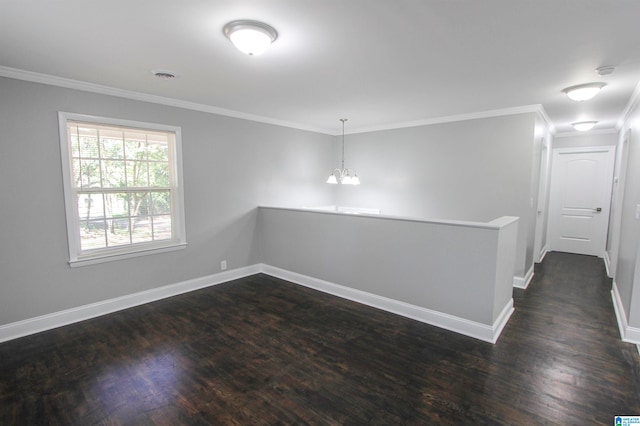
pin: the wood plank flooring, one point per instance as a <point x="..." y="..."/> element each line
<point x="263" y="351"/>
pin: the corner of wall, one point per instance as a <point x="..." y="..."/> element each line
<point x="523" y="282"/>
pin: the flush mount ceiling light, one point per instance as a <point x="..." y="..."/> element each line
<point x="250" y="37"/>
<point x="583" y="92"/>
<point x="583" y="126"/>
<point x="344" y="176"/>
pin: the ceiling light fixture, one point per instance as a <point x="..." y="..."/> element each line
<point x="344" y="176"/>
<point x="583" y="92"/>
<point x="583" y="126"/>
<point x="250" y="37"/>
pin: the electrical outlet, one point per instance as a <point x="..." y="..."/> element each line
<point x="223" y="265"/>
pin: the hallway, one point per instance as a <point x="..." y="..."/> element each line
<point x="565" y="332"/>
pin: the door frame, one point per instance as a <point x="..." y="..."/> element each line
<point x="541" y="241"/>
<point x="617" y="198"/>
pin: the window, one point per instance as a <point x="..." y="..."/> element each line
<point x="123" y="188"/>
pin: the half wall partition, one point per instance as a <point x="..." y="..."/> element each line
<point x="452" y="274"/>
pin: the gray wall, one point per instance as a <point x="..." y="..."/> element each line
<point x="475" y="170"/>
<point x="230" y="167"/>
<point x="627" y="262"/>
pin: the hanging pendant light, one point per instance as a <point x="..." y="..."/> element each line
<point x="343" y="175"/>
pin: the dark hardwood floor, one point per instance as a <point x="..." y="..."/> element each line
<point x="263" y="351"/>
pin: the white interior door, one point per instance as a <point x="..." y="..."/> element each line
<point x="581" y="180"/>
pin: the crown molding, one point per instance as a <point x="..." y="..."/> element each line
<point x="51" y="80"/>
<point x="68" y="83"/>
<point x="538" y="109"/>
<point x="634" y="100"/>
<point x="542" y="113"/>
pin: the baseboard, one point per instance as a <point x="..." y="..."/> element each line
<point x="632" y="335"/>
<point x="619" y="310"/>
<point x="81" y="313"/>
<point x="469" y="328"/>
<point x="543" y="253"/>
<point x="502" y="320"/>
<point x="523" y="282"/>
<point x="607" y="263"/>
<point x="463" y="326"/>
<point x="627" y="334"/>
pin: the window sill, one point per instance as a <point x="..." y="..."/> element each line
<point x="102" y="258"/>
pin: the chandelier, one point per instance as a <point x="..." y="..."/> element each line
<point x="343" y="175"/>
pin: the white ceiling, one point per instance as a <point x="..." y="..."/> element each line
<point x="379" y="63"/>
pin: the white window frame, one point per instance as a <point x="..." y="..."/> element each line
<point x="79" y="258"/>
